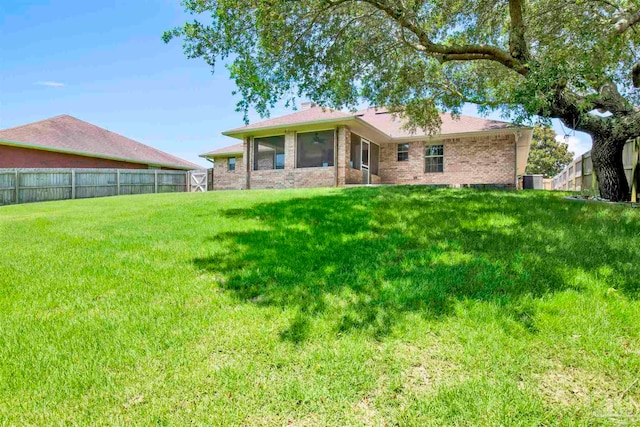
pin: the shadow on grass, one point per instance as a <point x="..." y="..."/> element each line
<point x="366" y="256"/>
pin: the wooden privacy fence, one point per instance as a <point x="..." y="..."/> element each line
<point x="39" y="185"/>
<point x="579" y="175"/>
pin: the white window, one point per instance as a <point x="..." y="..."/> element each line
<point x="403" y="152"/>
<point x="434" y="159"/>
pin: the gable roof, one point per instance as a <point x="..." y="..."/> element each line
<point x="225" y="151"/>
<point x="379" y="119"/>
<point x="68" y="134"/>
<point x="392" y="125"/>
<point x="387" y="126"/>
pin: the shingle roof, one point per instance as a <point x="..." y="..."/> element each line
<point x="393" y="126"/>
<point x="231" y="149"/>
<point x="379" y="118"/>
<point x="310" y="115"/>
<point x="69" y="134"/>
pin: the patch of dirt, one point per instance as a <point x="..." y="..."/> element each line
<point x="575" y="387"/>
<point x="430" y="369"/>
<point x="367" y="413"/>
<point x="133" y="401"/>
<point x="280" y="420"/>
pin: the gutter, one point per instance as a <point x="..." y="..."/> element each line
<point x="213" y="156"/>
<point x="239" y="133"/>
<point x="93" y="155"/>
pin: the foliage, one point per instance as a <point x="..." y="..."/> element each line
<point x="527" y="58"/>
<point x="415" y="54"/>
<point x="547" y="156"/>
<point x="365" y="306"/>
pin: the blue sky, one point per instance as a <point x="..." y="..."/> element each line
<point x="105" y="62"/>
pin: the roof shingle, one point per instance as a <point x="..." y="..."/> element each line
<point x="70" y="134"/>
<point x="231" y="149"/>
<point x="393" y="126"/>
<point x="309" y="115"/>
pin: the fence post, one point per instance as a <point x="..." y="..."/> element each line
<point x="17" y="186"/>
<point x="582" y="172"/>
<point x="73" y="183"/>
<point x="634" y="171"/>
<point x="155" y="180"/>
<point x="188" y="181"/>
<point x="594" y="176"/>
<point x="118" y="182"/>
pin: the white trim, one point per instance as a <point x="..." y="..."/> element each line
<point x="286" y="126"/>
<point x="425" y="157"/>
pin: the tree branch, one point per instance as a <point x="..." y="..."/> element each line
<point x="611" y="100"/>
<point x="457" y="52"/>
<point x="624" y="22"/>
<point x="517" y="42"/>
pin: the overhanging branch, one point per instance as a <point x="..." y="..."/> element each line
<point x="624" y="22"/>
<point x="450" y="52"/>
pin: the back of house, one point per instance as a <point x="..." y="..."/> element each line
<point x="319" y="147"/>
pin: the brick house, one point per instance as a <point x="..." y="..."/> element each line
<point x="67" y="142"/>
<point x="318" y="147"/>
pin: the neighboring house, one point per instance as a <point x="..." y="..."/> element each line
<point x="318" y="147"/>
<point x="67" y="142"/>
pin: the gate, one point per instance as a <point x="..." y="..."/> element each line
<point x="198" y="181"/>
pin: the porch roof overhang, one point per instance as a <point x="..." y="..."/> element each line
<point x="355" y="123"/>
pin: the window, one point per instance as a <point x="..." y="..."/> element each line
<point x="315" y="149"/>
<point x="231" y="164"/>
<point x="268" y="153"/>
<point x="403" y="152"/>
<point x="434" y="159"/>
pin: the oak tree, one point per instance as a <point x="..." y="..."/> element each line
<point x="575" y="60"/>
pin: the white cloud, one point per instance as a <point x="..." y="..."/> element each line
<point x="51" y="84"/>
<point x="577" y="145"/>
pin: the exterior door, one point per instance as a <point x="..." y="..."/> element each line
<point x="365" y="156"/>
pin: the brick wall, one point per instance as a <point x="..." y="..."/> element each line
<point x="472" y="160"/>
<point x="224" y="179"/>
<point x="290" y="176"/>
<point x="20" y="157"/>
<point x="354" y="176"/>
<point x="293" y="178"/>
<point x="343" y="154"/>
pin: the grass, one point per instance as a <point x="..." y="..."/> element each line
<point x="365" y="306"/>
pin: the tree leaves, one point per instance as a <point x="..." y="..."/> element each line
<point x="547" y="156"/>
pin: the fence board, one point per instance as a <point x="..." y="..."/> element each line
<point x="38" y="185"/>
<point x="570" y="179"/>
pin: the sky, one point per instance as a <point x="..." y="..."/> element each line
<point x="105" y="62"/>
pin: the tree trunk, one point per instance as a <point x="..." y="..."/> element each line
<point x="607" y="163"/>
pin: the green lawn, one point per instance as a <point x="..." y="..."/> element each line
<point x="364" y="306"/>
